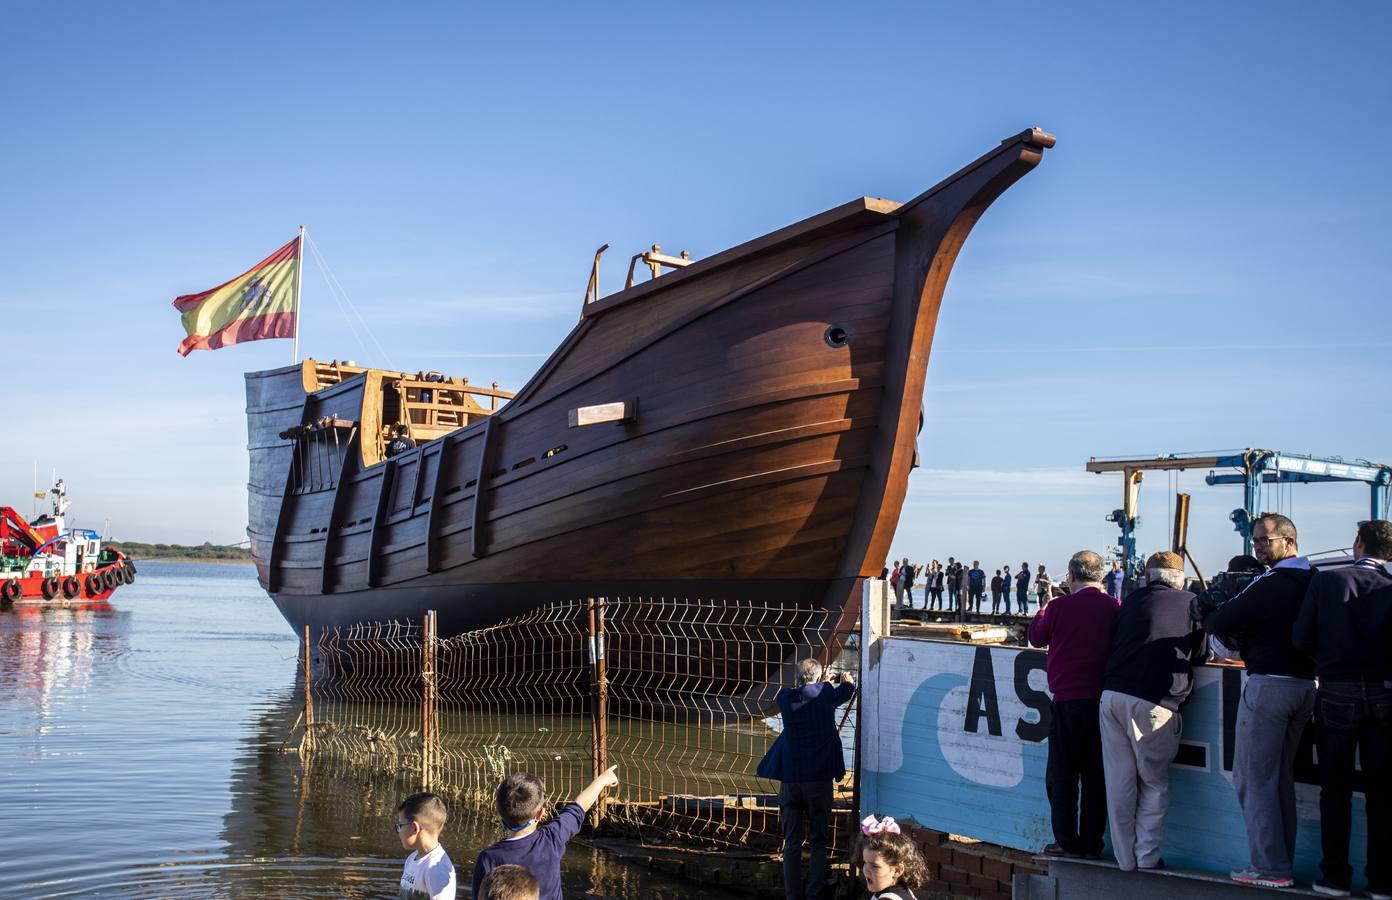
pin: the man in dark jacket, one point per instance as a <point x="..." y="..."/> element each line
<point x="1346" y="621"/>
<point x="1149" y="674"/>
<point x="1022" y="586"/>
<point x="976" y="586"/>
<point x="996" y="594"/>
<point x="1276" y="701"/>
<point x="1077" y="629"/>
<point x="806" y="759"/>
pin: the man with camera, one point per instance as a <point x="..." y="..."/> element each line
<point x="1277" y="699"/>
<point x="807" y="761"/>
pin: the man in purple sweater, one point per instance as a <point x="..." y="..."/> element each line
<point x="1077" y="628"/>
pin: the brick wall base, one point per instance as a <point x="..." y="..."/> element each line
<point x="963" y="867"/>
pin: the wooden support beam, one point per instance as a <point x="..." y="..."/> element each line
<point x="478" y="540"/>
<point x="273" y="580"/>
<point x="379" y="524"/>
<point x="346" y="467"/>
<point x="434" y="520"/>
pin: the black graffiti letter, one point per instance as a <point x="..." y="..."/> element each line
<point x="981" y="695"/>
<point x="1027" y="661"/>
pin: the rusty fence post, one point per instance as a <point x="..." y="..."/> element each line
<point x="428" y="695"/>
<point x="599" y="697"/>
<point x="307" y="745"/>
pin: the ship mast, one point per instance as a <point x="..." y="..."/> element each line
<point x="299" y="277"/>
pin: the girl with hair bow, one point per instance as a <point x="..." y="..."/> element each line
<point x="889" y="860"/>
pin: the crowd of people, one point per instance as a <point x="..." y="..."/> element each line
<point x="1315" y="644"/>
<point x="956" y="588"/>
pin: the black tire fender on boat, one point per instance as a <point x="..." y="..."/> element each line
<point x="127" y="573"/>
<point x="94" y="583"/>
<point x="70" y="587"/>
<point x="109" y="579"/>
<point x="130" y="567"/>
<point x="49" y="588"/>
<point x="11" y="590"/>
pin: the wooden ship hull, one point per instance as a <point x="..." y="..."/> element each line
<point x="757" y="415"/>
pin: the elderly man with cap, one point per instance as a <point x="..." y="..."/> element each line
<point x="1276" y="702"/>
<point x="1149" y="674"/>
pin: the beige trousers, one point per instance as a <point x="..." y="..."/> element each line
<point x="1139" y="741"/>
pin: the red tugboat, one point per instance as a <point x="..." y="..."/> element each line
<point x="44" y="562"/>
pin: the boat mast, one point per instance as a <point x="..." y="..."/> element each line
<point x="299" y="277"/>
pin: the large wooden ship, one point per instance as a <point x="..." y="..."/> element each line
<point x="741" y="428"/>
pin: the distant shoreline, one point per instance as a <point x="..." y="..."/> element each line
<point x="201" y="553"/>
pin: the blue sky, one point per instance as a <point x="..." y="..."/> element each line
<point x="1201" y="263"/>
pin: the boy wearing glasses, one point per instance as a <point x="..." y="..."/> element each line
<point x="428" y="872"/>
<point x="521" y="799"/>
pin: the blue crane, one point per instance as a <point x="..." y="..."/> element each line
<point x="1250" y="468"/>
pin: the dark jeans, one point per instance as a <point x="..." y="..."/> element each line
<point x="1355" y="716"/>
<point x="1022" y="602"/>
<point x="934" y="598"/>
<point x="974" y="601"/>
<point x="1075" y="761"/>
<point x="995" y="603"/>
<point x="804" y="805"/>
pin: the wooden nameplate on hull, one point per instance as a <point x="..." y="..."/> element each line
<point x="743" y="424"/>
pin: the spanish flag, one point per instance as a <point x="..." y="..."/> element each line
<point x="256" y="305"/>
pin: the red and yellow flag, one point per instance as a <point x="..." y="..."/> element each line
<point x="256" y="305"/>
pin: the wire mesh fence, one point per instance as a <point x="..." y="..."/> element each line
<point x="680" y="694"/>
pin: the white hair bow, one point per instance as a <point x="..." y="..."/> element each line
<point x="871" y="825"/>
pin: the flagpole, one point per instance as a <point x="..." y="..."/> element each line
<point x="299" y="278"/>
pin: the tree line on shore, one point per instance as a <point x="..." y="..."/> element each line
<point x="205" y="551"/>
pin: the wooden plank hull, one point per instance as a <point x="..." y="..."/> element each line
<point x="767" y="461"/>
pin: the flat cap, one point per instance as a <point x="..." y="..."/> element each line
<point x="1165" y="560"/>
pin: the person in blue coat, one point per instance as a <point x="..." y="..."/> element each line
<point x="807" y="761"/>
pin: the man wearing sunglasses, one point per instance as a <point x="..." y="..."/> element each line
<point x="1277" y="699"/>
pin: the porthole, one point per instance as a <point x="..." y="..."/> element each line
<point x="837" y="336"/>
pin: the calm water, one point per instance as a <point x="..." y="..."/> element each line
<point x="139" y="756"/>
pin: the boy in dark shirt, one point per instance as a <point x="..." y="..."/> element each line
<point x="520" y="800"/>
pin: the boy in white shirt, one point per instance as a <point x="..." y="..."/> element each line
<point x="428" y="873"/>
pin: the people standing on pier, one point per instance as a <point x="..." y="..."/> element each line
<point x="896" y="582"/>
<point x="1077" y="628"/>
<point x="1149" y="674"/>
<point x="806" y="760"/>
<point x="934" y="585"/>
<point x="1114" y="580"/>
<point x="996" y="593"/>
<point x="1277" y="700"/>
<point x="1006" y="582"/>
<point x="521" y="802"/>
<point x="1346" y="622"/>
<point x="976" y="584"/>
<point x="954" y="584"/>
<point x="1043" y="587"/>
<point x="908" y="573"/>
<point x="1022" y="584"/>
<point x="428" y="871"/>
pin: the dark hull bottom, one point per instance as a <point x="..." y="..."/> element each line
<point x="466" y="607"/>
<point x="743" y="637"/>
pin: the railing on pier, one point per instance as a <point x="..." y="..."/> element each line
<point x="679" y="694"/>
